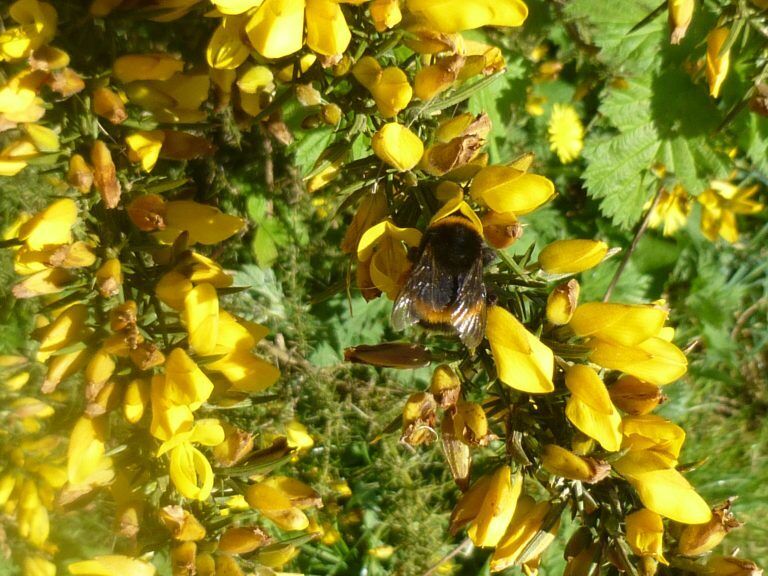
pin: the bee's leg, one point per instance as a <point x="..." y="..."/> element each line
<point x="491" y="299"/>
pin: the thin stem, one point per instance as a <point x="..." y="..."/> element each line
<point x="456" y="551"/>
<point x="633" y="246"/>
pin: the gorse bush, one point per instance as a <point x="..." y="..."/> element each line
<point x="446" y="147"/>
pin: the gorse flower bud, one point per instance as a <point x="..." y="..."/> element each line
<point x="680" y="15"/>
<point x="572" y="256"/>
<point x="561" y="462"/>
<point x="698" y="539"/>
<point x="562" y="303"/>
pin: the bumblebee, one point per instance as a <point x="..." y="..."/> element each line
<point x="445" y="290"/>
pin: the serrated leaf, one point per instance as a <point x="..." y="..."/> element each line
<point x="627" y="105"/>
<point x="616" y="172"/>
<point x="662" y="118"/>
<point x="608" y="26"/>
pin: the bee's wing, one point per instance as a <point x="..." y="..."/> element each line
<point x="420" y="286"/>
<point x="468" y="317"/>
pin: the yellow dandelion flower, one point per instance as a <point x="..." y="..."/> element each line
<point x="566" y="133"/>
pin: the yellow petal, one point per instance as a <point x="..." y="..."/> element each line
<point x="108" y="104"/>
<point x="497" y="508"/>
<point x="385" y="14"/>
<point x="680" y="15"/>
<point x="561" y="462"/>
<point x="277" y="28"/>
<point x="586" y="385"/>
<point x="168" y="419"/>
<point x="9" y="167"/>
<point x="48" y="281"/>
<point x="624" y="324"/>
<point x="605" y="428"/>
<point x="645" y="534"/>
<point x="654" y="433"/>
<point x="654" y="360"/>
<point x="298" y="436"/>
<point x="525" y="525"/>
<point x="44" y="139"/>
<point x="226" y="49"/>
<point x="571" y="256"/>
<point x="205" y="224"/>
<point x="367" y="71"/>
<point x="191" y="472"/>
<point x="201" y="317"/>
<point x="99" y="369"/>
<point x="634" y="396"/>
<point x="105" y="174"/>
<point x="327" y="31"/>
<point x="185" y="383"/>
<point x="112" y="565"/>
<point x="717" y="63"/>
<point x="51" y="226"/>
<point x="38" y="566"/>
<point x="397" y="146"/>
<point x="68" y="328"/>
<point x="172" y="289"/>
<point x="157" y="66"/>
<point x="381" y="231"/>
<point x="255" y="79"/>
<point x="79" y="174"/>
<point x="391" y="91"/>
<point x="109" y="277"/>
<point x="135" y="400"/>
<point x="457" y="15"/>
<point x="664" y="490"/>
<point x="235" y="6"/>
<point x="86" y="452"/>
<point x="522" y="361"/>
<point x="506" y="189"/>
<point x="144" y="146"/>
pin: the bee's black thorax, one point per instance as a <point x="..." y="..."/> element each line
<point x="456" y="245"/>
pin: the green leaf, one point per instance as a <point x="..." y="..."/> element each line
<point x="257" y="208"/>
<point x="628" y="104"/>
<point x="616" y="172"/>
<point x="608" y="26"/>
<point x="662" y="118"/>
<point x="269" y="237"/>
<point x="752" y="132"/>
<point x="309" y="146"/>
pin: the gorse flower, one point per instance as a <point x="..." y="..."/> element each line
<point x="720" y="204"/>
<point x="671" y="211"/>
